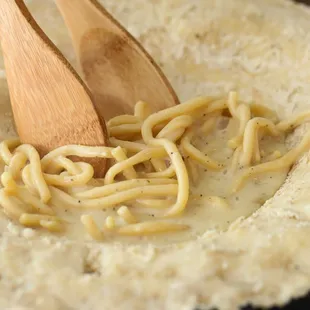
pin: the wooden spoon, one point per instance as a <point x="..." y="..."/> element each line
<point x="117" y="69"/>
<point x="51" y="105"/>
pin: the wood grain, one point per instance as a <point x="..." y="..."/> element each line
<point x="117" y="69"/>
<point x="51" y="105"/>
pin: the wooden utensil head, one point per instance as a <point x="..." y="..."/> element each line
<point x="51" y="104"/>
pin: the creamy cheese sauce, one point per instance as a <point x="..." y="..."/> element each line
<point x="202" y="213"/>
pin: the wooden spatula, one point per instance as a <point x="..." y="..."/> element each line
<point x="51" y="105"/>
<point x="117" y="69"/>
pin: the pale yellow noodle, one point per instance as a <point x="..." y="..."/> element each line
<point x="77" y="150"/>
<point x="16" y="164"/>
<point x="27" y="180"/>
<point x="235" y="159"/>
<point x="35" y="168"/>
<point x="133" y="147"/>
<point x="69" y="165"/>
<point x="173" y="132"/>
<point x="281" y="163"/>
<point x="243" y="115"/>
<point x="119" y="155"/>
<point x="110" y="223"/>
<point x="217" y="106"/>
<point x="157" y="128"/>
<point x="85" y="175"/>
<point x="232" y="104"/>
<point x="154" y="227"/>
<point x="175" y="128"/>
<point x="54" y="167"/>
<point x="158" y="164"/>
<point x="33" y="220"/>
<point x="10" y="206"/>
<point x="259" y="110"/>
<point x="181" y="174"/>
<point x="208" y="125"/>
<point x="130" y="129"/>
<point x="134" y="160"/>
<point x="250" y="138"/>
<point x="125" y="214"/>
<point x="256" y="150"/>
<point x="174" y="136"/>
<point x="168" y="173"/>
<point x="8" y="183"/>
<point x="91" y="227"/>
<point x="27" y="198"/>
<point x="5" y="147"/>
<point x="294" y="122"/>
<point x="123" y="119"/>
<point x="142" y="110"/>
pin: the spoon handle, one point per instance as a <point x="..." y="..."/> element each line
<point x="51" y="104"/>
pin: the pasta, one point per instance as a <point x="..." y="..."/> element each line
<point x="154" y="160"/>
<point x="109" y="223"/>
<point x="126" y="215"/>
